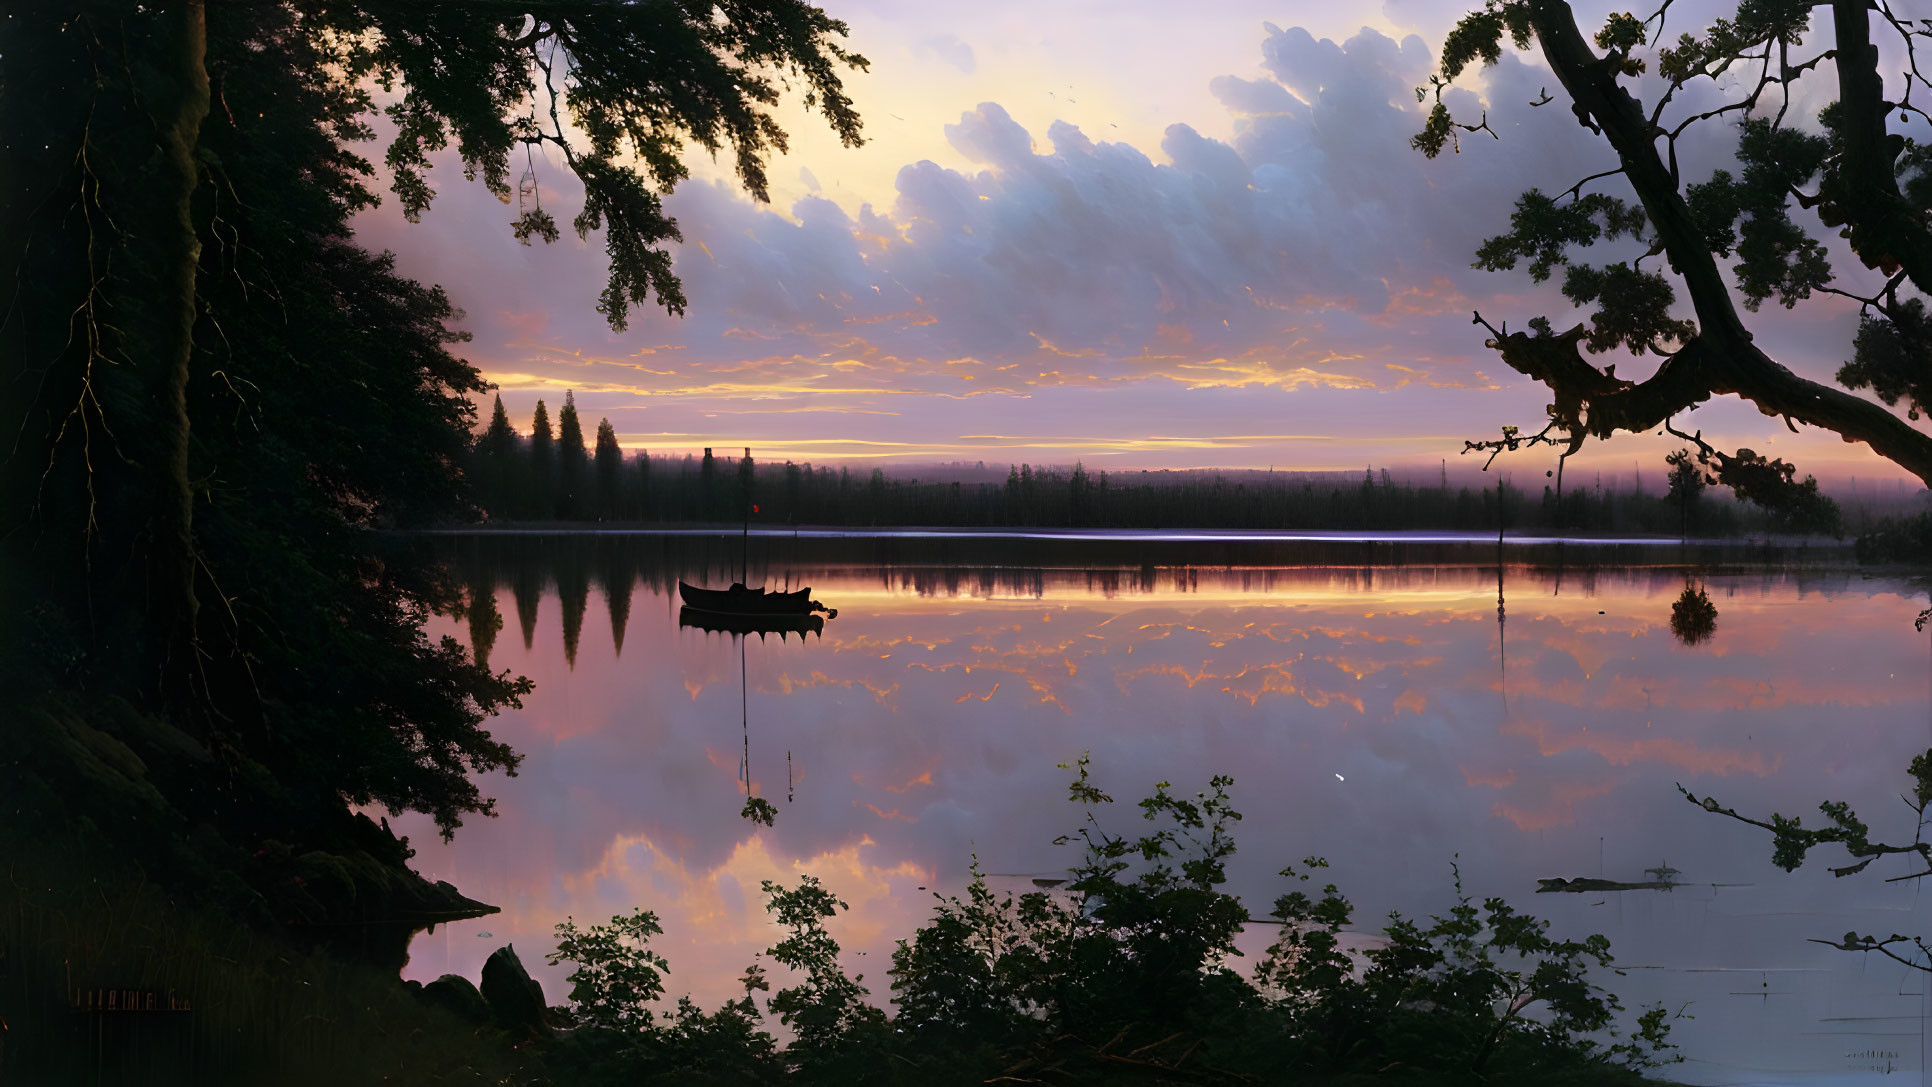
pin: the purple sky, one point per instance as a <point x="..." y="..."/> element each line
<point x="1130" y="234"/>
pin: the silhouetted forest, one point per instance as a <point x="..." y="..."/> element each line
<point x="552" y="476"/>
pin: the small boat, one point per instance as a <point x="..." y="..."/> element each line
<point x="739" y="600"/>
<point x="743" y="601"/>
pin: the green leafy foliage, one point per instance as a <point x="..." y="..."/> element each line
<point x="759" y="810"/>
<point x="294" y="499"/>
<point x="833" y="1027"/>
<point x="1436" y="132"/>
<point x="640" y="83"/>
<point x="1543" y="230"/>
<point x="617" y="975"/>
<point x="1771" y="483"/>
<point x="1892" y="356"/>
<point x="1749" y="214"/>
<point x="1755" y="24"/>
<point x="1792" y="841"/>
<point x="615" y="1036"/>
<point x="1633" y="308"/>
<point x="1126" y="971"/>
<point x="1622" y="31"/>
<point x="535" y="223"/>
<point x="1478" y="35"/>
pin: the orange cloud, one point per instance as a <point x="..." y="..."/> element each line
<point x="1559" y="810"/>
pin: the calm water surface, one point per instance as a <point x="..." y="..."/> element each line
<point x="1391" y="718"/>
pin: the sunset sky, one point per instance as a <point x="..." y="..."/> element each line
<point x="1134" y="234"/>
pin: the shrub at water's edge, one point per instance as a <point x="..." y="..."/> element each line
<point x="1903" y="541"/>
<point x="1125" y="974"/>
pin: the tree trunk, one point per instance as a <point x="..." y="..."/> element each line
<point x="98" y="500"/>
<point x="162" y="345"/>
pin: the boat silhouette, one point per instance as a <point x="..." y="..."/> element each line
<point x="739" y="600"/>
<point x="743" y="601"/>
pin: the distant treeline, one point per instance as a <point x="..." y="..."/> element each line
<point x="552" y="476"/>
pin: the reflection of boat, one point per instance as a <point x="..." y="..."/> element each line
<point x="1662" y="878"/>
<point x="739" y="600"/>
<point x="719" y="622"/>
<point x="1585" y="883"/>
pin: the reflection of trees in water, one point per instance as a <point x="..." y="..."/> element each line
<point x="618" y="566"/>
<point x="526" y="587"/>
<point x="1693" y="618"/>
<point x="573" y="591"/>
<point x="484" y="619"/>
<point x="616" y="577"/>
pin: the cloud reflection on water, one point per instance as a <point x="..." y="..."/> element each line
<point x="1364" y="714"/>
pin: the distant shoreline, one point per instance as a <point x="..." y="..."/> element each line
<point x="1128" y="535"/>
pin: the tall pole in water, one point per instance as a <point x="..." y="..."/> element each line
<point x="744" y="712"/>
<point x="1499" y="516"/>
<point x="1559" y="494"/>
<point x="744" y="542"/>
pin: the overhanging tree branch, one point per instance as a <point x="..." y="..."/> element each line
<point x="1722" y="357"/>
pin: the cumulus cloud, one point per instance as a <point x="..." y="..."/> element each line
<point x="1272" y="255"/>
<point x="1271" y="260"/>
<point x="1312" y="250"/>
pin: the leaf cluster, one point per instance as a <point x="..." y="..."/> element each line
<point x="1771" y="484"/>
<point x="1749" y="214"/>
<point x="617" y="976"/>
<point x="1892" y="356"/>
<point x="1478" y="36"/>
<point x="1685" y="481"/>
<point x="1792" y="841"/>
<point x="622" y="91"/>
<point x="1633" y="308"/>
<point x="1125" y="971"/>
<point x="1756" y="24"/>
<point x="1543" y="229"/>
<point x="1633" y="305"/>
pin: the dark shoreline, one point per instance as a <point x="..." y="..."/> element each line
<point x="1137" y="548"/>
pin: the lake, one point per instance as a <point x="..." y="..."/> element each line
<point x="1396" y="705"/>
